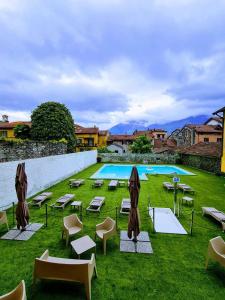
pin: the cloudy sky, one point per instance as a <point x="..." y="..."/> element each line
<point x="113" y="61"/>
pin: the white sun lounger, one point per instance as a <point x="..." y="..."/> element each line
<point x="125" y="206"/>
<point x="38" y="200"/>
<point x="63" y="201"/>
<point x="76" y="182"/>
<point x="168" y="185"/>
<point x="216" y="214"/>
<point x="185" y="188"/>
<point x="98" y="183"/>
<point x="113" y="184"/>
<point x="96" y="204"/>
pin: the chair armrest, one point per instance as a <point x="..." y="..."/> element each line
<point x="100" y="225"/>
<point x="45" y="255"/>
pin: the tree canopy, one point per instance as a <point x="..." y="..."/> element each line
<point x="141" y="145"/>
<point x="53" y="121"/>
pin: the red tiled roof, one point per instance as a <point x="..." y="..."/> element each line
<point x="203" y="149"/>
<point x="121" y="137"/>
<point x="82" y="130"/>
<point x="169" y="143"/>
<point x="11" y="125"/>
<point x="205" y="128"/>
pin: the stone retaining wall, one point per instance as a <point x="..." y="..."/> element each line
<point x="148" y="158"/>
<point x="11" y="150"/>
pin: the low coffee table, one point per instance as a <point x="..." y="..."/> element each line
<point x="83" y="244"/>
<point x="76" y="204"/>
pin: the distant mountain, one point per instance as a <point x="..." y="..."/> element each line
<point x="129" y="128"/>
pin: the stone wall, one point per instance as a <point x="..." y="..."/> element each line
<point x="210" y="164"/>
<point x="148" y="158"/>
<point x="19" y="150"/>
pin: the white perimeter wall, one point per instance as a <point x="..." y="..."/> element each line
<point x="42" y="172"/>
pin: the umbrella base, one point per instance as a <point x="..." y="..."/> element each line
<point x="142" y="245"/>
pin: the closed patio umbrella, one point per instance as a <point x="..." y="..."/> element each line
<point x="134" y="188"/>
<point x="22" y="212"/>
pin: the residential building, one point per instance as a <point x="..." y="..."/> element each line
<point x="152" y="133"/>
<point x="221" y="113"/>
<point x="7" y="128"/>
<point x="214" y="120"/>
<point x="90" y="138"/>
<point x="120" y="143"/>
<point x="192" y="134"/>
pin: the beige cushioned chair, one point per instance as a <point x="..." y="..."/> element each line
<point x="19" y="293"/>
<point x="105" y="230"/>
<point x="71" y="226"/>
<point x="3" y="218"/>
<point x="216" y="251"/>
<point x="65" y="269"/>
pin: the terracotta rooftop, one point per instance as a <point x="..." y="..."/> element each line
<point x="203" y="149"/>
<point x="83" y="130"/>
<point x="205" y="128"/>
<point x="121" y="137"/>
<point x="11" y="125"/>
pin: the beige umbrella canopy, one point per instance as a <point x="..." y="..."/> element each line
<point x="22" y="212"/>
<point x="134" y="188"/>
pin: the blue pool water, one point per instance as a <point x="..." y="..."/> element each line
<point x="110" y="171"/>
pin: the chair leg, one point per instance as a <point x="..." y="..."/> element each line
<point x="67" y="240"/>
<point x="104" y="246"/>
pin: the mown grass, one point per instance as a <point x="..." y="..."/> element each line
<point x="174" y="271"/>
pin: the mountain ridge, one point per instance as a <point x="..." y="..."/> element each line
<point x="130" y="127"/>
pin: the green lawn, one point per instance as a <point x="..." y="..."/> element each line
<point x="174" y="271"/>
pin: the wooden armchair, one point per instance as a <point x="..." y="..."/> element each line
<point x="71" y="226"/>
<point x="216" y="251"/>
<point x="105" y="230"/>
<point x="19" y="293"/>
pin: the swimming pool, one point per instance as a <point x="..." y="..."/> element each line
<point x="110" y="171"/>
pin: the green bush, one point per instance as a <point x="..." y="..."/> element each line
<point x="22" y="131"/>
<point x="141" y="145"/>
<point x="53" y="121"/>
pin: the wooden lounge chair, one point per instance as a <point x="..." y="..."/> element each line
<point x="71" y="226"/>
<point x="65" y="269"/>
<point x="98" y="183"/>
<point x="38" y="200"/>
<point x="76" y="183"/>
<point x="63" y="201"/>
<point x="19" y="293"/>
<point x="168" y="185"/>
<point x="216" y="214"/>
<point x="3" y="219"/>
<point x="185" y="188"/>
<point x="105" y="230"/>
<point x="113" y="185"/>
<point x="96" y="204"/>
<point x="125" y="206"/>
<point x="216" y="251"/>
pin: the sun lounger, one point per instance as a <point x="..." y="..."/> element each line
<point x="66" y="269"/>
<point x="168" y="185"/>
<point x="38" y="200"/>
<point x="185" y="188"/>
<point x="216" y="214"/>
<point x="113" y="185"/>
<point x="63" y="201"/>
<point x="96" y="204"/>
<point x="76" y="183"/>
<point x="98" y="183"/>
<point x="125" y="206"/>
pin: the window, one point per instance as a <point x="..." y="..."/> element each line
<point x="219" y="140"/>
<point x="3" y="133"/>
<point x="158" y="136"/>
<point x="91" y="142"/>
<point x="79" y="141"/>
<point x="206" y="140"/>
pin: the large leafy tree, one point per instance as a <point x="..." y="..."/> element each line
<point x="141" y="145"/>
<point x="53" y="121"/>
